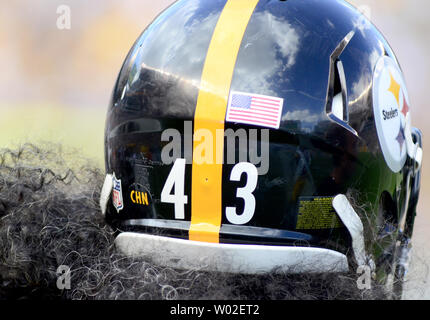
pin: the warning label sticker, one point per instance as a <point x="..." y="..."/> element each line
<point x="317" y="213"/>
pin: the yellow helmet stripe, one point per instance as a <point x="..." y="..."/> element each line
<point x="206" y="194"/>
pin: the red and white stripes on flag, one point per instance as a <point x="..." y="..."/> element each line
<point x="254" y="109"/>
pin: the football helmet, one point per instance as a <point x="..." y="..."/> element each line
<point x="242" y="135"/>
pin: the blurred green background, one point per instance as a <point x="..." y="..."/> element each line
<point x="55" y="85"/>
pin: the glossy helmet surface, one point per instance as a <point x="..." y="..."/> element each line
<point x="343" y="125"/>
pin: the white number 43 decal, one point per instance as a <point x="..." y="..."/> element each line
<point x="176" y="179"/>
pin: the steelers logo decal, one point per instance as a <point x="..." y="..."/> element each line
<point x="391" y="106"/>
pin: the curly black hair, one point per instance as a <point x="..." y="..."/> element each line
<point x="50" y="217"/>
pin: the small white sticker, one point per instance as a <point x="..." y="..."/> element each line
<point x="117" y="194"/>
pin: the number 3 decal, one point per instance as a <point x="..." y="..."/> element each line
<point x="176" y="179"/>
<point x="245" y="193"/>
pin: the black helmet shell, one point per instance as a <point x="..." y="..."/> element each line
<point x="308" y="53"/>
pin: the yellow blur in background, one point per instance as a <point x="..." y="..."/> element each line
<point x="71" y="127"/>
<point x="55" y="84"/>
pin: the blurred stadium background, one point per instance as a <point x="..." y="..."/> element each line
<point x="55" y="85"/>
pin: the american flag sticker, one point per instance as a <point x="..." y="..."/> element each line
<point x="254" y="109"/>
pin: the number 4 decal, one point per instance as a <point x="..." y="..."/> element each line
<point x="176" y="179"/>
